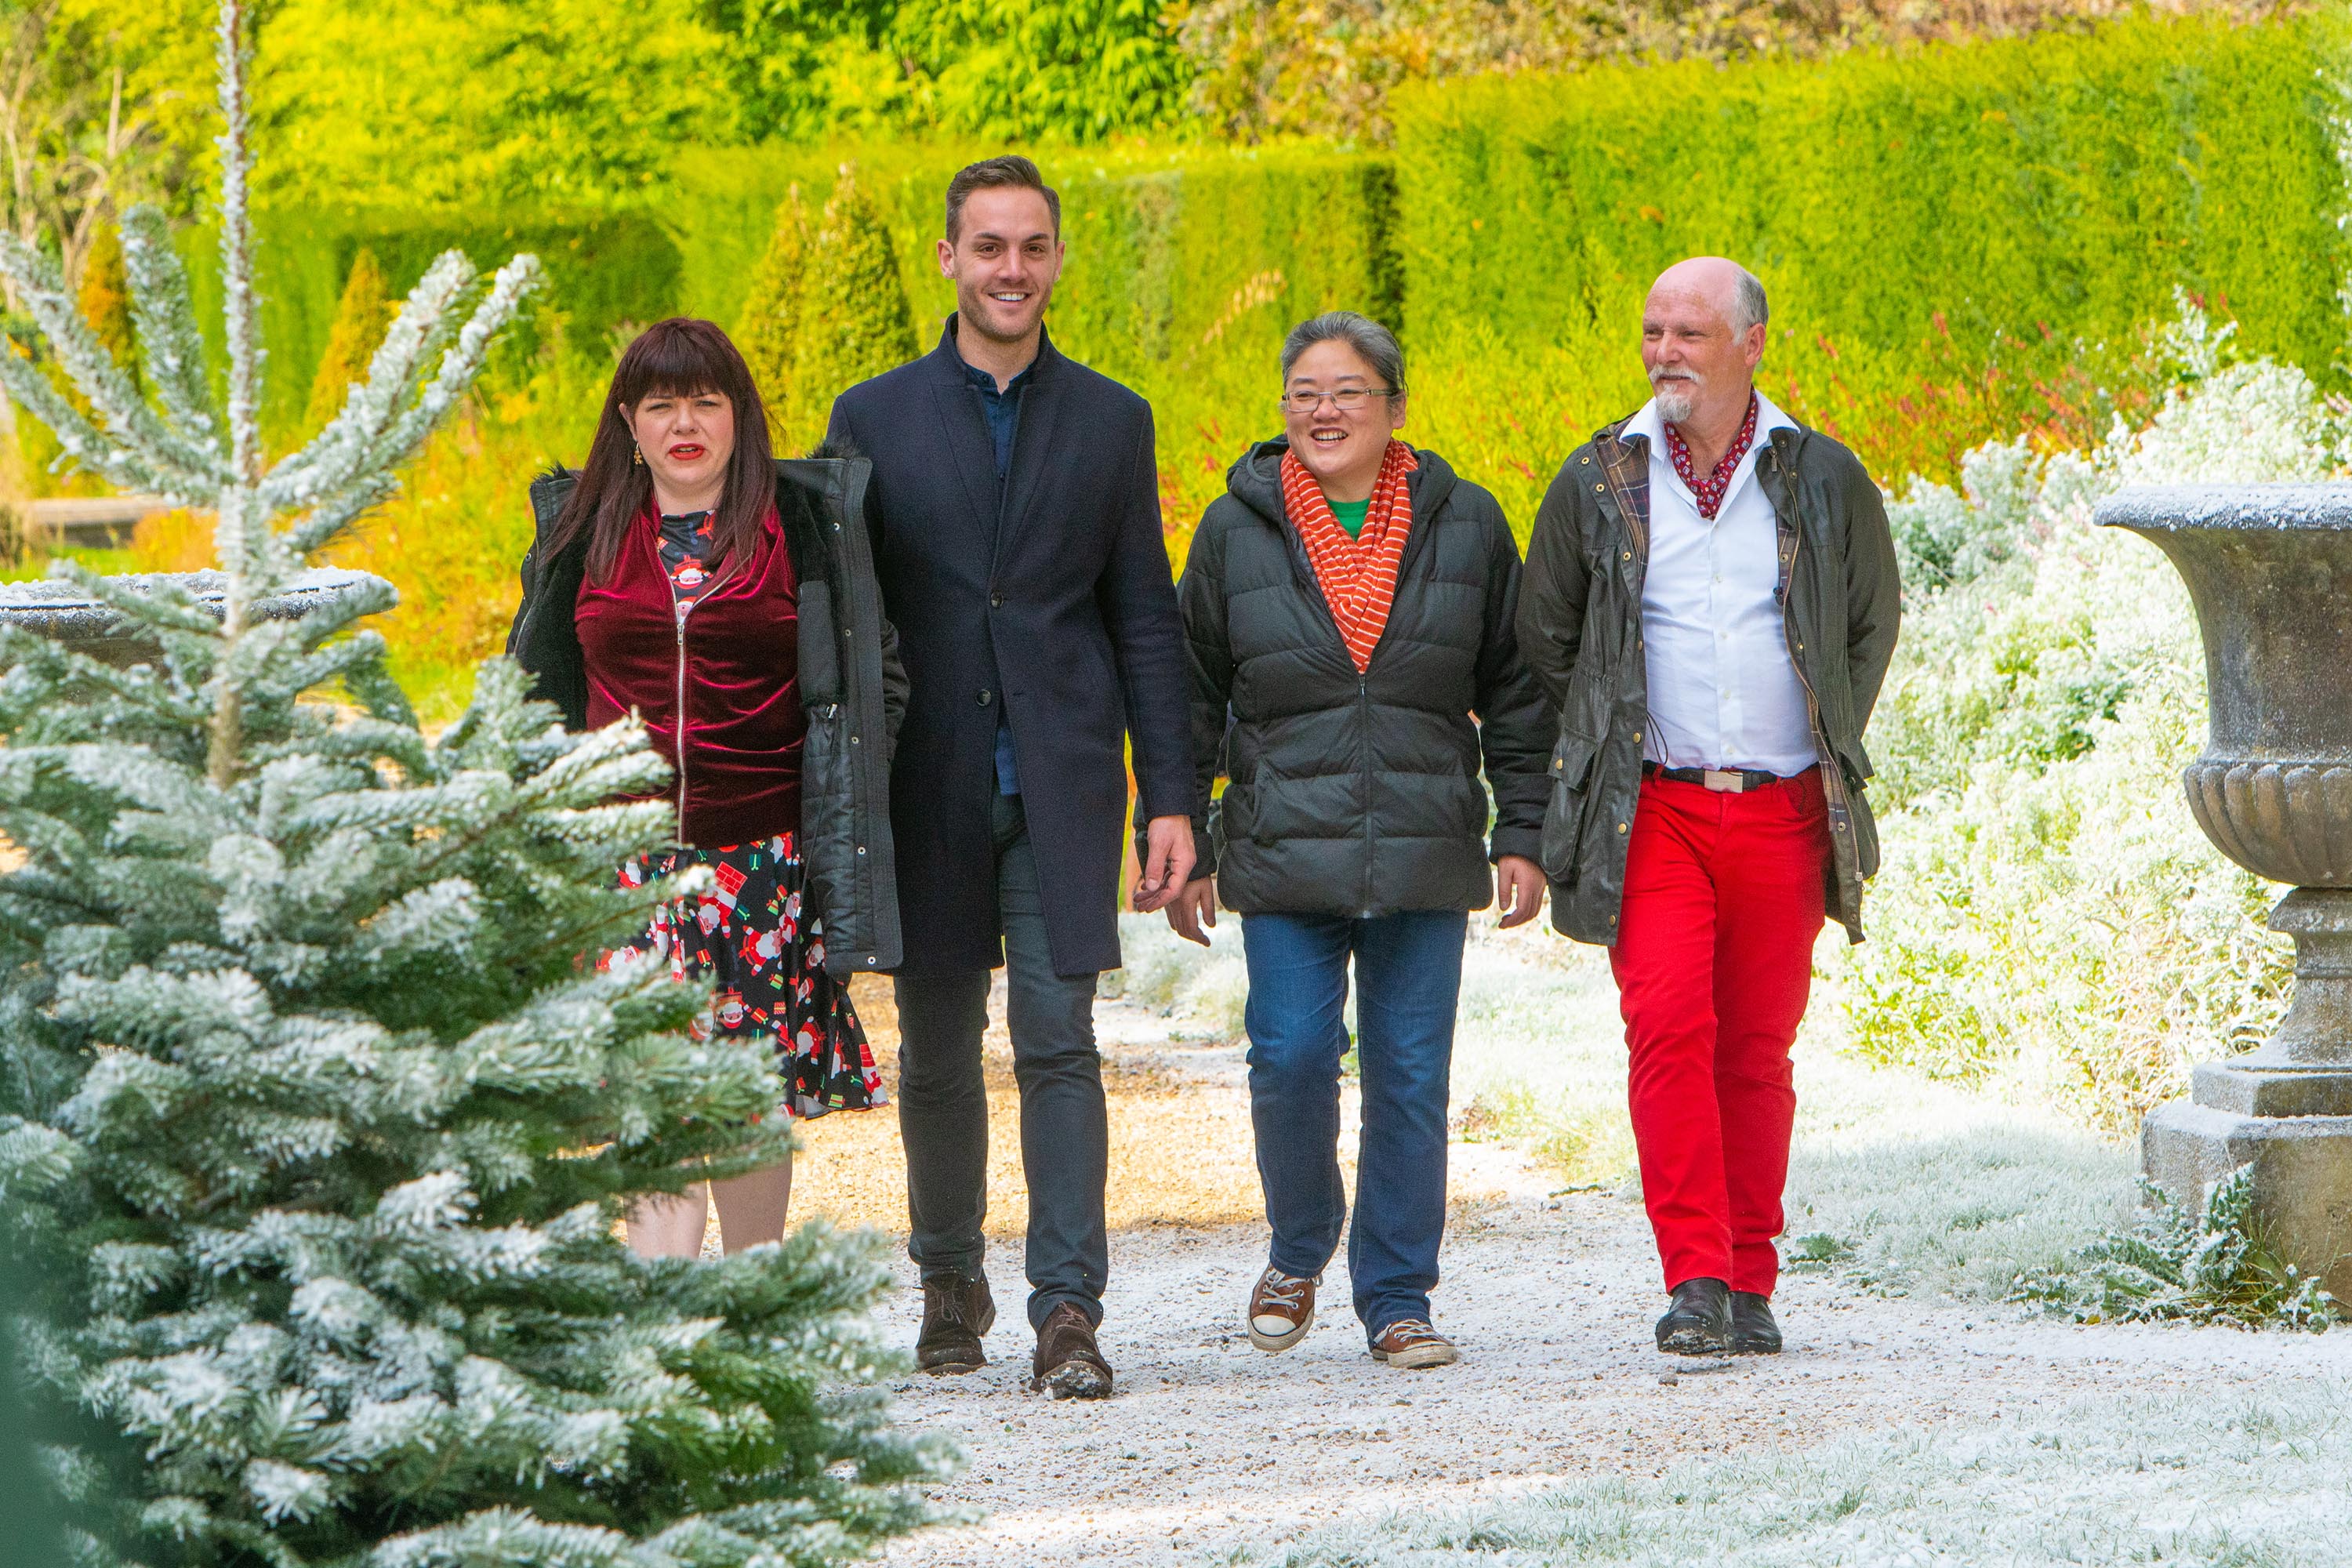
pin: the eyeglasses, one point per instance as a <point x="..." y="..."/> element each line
<point x="1347" y="400"/>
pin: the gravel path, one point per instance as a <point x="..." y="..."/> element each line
<point x="1212" y="1447"/>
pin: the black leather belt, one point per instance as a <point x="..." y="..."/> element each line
<point x="1733" y="781"/>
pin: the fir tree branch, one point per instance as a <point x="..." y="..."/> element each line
<point x="182" y="471"/>
<point x="169" y="342"/>
<point x="76" y="436"/>
<point x="465" y="359"/>
<point x="341" y="451"/>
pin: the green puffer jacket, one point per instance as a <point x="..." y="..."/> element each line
<point x="1580" y="628"/>
<point x="849" y="676"/>
<point x="1360" y="795"/>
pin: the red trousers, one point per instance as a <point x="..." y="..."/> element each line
<point x="1724" y="896"/>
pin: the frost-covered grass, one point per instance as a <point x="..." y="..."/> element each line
<point x="2195" y="1481"/>
<point x="1898" y="1183"/>
<point x="1203" y="988"/>
<point x="2048" y="917"/>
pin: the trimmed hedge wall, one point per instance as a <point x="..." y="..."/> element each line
<point x="602" y="271"/>
<point x="1961" y="242"/>
<point x="1184" y="268"/>
<point x="2028" y="204"/>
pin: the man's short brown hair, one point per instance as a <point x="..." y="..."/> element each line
<point x="1006" y="170"/>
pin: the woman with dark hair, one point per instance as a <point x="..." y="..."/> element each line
<point x="686" y="575"/>
<point x="1347" y="610"/>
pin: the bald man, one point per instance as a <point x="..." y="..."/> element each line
<point x="1711" y="599"/>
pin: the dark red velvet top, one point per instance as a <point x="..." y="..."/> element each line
<point x="726" y="663"/>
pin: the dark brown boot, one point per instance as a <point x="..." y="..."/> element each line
<point x="1068" y="1364"/>
<point x="956" y="1312"/>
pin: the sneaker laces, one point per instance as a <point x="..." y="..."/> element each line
<point x="1279" y="1289"/>
<point x="1410" y="1331"/>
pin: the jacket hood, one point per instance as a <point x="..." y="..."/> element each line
<point x="1255" y="480"/>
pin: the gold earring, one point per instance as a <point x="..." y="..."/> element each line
<point x="636" y="456"/>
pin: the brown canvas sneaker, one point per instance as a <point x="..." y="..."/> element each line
<point x="1068" y="1364"/>
<point x="1408" y="1342"/>
<point x="956" y="1312"/>
<point x="1281" y="1309"/>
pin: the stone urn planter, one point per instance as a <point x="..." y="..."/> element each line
<point x="2270" y="569"/>
<point x="63" y="613"/>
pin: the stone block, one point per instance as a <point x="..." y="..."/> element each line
<point x="2303" y="1177"/>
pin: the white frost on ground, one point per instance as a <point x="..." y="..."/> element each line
<point x="1896" y="1424"/>
<point x="2249" y="1480"/>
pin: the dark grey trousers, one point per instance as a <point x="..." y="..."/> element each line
<point x="1064" y="1129"/>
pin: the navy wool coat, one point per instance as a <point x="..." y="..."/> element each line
<point x="1048" y="598"/>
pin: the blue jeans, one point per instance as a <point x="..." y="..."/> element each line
<point x="1409" y="978"/>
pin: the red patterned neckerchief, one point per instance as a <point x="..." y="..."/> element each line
<point x="1709" y="492"/>
<point x="1357" y="575"/>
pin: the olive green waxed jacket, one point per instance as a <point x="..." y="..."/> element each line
<point x="1580" y="629"/>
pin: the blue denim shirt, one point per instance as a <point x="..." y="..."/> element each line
<point x="1002" y="406"/>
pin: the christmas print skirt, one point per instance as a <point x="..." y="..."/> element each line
<point x="752" y="938"/>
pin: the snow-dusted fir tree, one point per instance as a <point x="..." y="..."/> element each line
<point x="313" y="1125"/>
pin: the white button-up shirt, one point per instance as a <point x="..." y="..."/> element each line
<point x="1724" y="692"/>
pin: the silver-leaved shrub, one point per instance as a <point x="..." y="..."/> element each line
<point x="2048" y="914"/>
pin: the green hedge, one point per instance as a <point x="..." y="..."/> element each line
<point x="1961" y="242"/>
<point x="2020" y="202"/>
<point x="1185" y="267"/>
<point x="602" y="271"/>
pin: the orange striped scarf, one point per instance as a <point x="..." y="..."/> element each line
<point x="1357" y="575"/>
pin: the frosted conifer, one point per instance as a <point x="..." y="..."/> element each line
<point x="313" y="1126"/>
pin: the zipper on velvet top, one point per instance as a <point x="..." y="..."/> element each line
<point x="683" y="542"/>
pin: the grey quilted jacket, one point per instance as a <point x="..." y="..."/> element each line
<point x="1360" y="793"/>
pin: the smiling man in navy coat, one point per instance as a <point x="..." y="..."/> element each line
<point x="1015" y="510"/>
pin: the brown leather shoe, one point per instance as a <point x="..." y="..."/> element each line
<point x="956" y="1312"/>
<point x="1409" y="1343"/>
<point x="1281" y="1309"/>
<point x="1068" y="1364"/>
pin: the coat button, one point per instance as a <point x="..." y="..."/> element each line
<point x="996" y="601"/>
<point x="852" y="739"/>
<point x="1637" y="738"/>
<point x="1557" y="766"/>
<point x="984" y="695"/>
<point x="861" y="849"/>
<point x="1621" y="828"/>
<point x="1628" y="555"/>
<point x="1598" y="489"/>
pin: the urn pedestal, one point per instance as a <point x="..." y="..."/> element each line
<point x="2268" y="568"/>
<point x="63" y="613"/>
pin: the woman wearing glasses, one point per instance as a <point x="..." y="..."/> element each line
<point x="1349" y="607"/>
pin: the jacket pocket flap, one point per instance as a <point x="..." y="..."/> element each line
<point x="1572" y="759"/>
<point x="1856" y="760"/>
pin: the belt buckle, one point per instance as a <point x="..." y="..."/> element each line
<point x="1723" y="782"/>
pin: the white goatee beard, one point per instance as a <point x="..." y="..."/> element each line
<point x="1678" y="400"/>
